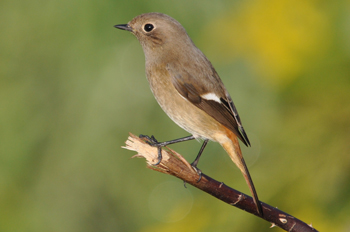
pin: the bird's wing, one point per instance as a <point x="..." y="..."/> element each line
<point x="209" y="94"/>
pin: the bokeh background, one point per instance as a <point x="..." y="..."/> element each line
<point x="72" y="87"/>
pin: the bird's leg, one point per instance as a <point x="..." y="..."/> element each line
<point x="195" y="162"/>
<point x="154" y="143"/>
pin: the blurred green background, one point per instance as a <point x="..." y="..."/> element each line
<point x="72" y="87"/>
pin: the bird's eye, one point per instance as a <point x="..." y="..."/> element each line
<point x="148" y="27"/>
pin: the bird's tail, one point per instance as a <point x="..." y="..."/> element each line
<point x="234" y="151"/>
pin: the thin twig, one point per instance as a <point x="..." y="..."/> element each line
<point x="174" y="164"/>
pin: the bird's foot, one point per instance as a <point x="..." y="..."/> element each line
<point x="199" y="172"/>
<point x="152" y="141"/>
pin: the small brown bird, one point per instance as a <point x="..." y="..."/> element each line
<point x="188" y="89"/>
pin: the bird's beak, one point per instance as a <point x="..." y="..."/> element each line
<point x="125" y="27"/>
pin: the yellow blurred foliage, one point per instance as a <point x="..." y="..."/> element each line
<point x="322" y="223"/>
<point x="277" y="37"/>
<point x="197" y="220"/>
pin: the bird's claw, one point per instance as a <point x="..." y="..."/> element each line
<point x="199" y="172"/>
<point x="152" y="141"/>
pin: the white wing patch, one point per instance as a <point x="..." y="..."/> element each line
<point x="211" y="96"/>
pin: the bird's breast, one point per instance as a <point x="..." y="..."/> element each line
<point x="180" y="110"/>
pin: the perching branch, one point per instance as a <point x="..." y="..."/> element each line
<point x="174" y="164"/>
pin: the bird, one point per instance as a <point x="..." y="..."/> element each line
<point x="189" y="90"/>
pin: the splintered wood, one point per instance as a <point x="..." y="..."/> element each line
<point x="172" y="162"/>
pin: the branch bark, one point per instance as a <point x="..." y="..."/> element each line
<point x="174" y="164"/>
